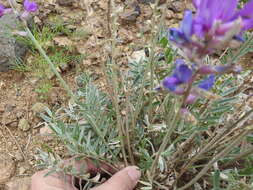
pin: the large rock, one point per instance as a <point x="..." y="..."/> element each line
<point x="10" y="49"/>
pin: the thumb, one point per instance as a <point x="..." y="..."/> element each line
<point x="125" y="179"/>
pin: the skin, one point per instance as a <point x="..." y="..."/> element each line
<point x="125" y="179"/>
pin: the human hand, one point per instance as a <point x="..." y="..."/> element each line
<point x="125" y="179"/>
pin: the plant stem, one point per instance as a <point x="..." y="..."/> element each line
<point x="129" y="113"/>
<point x="216" y="158"/>
<point x="51" y="65"/>
<point x="240" y="156"/>
<point x="42" y="52"/>
<point x="209" y="145"/>
<point x="152" y="49"/>
<point x="164" y="143"/>
<point x="152" y="57"/>
<point x="187" y="145"/>
<point x="114" y="81"/>
<point x="166" y="139"/>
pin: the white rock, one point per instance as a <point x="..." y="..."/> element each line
<point x="137" y="56"/>
<point x="23" y="125"/>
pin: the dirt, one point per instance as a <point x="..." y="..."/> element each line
<point x="19" y="147"/>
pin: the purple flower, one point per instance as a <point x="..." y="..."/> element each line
<point x="181" y="74"/>
<point x="215" y="24"/>
<point x="220" y="16"/>
<point x="247" y="15"/>
<point x="228" y="69"/>
<point x="239" y="38"/>
<point x="182" y="71"/>
<point x="4" y="10"/>
<point x="184" y="33"/>
<point x="191" y="99"/>
<point x="170" y="83"/>
<point x="196" y="3"/>
<point x="30" y="6"/>
<point x="207" y="83"/>
<point x="213" y="14"/>
<point x="206" y="69"/>
<point x="220" y="69"/>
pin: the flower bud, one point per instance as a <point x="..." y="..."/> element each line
<point x="206" y="69"/>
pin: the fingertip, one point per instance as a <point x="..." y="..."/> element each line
<point x="125" y="179"/>
<point x="38" y="175"/>
<point x="134" y="173"/>
<point x="37" y="180"/>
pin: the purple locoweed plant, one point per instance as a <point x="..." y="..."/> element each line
<point x="183" y="76"/>
<point x="215" y="25"/>
<point x="29" y="7"/>
<point x="4" y="10"/>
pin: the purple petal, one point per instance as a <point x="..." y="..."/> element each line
<point x="179" y="62"/>
<point x="184" y="111"/>
<point x="222" y="69"/>
<point x="186" y="25"/>
<point x="177" y="36"/>
<point x="2" y="9"/>
<point x="206" y="12"/>
<point x="228" y="69"/>
<point x="237" y="69"/>
<point x="25" y="15"/>
<point x="206" y="69"/>
<point x="179" y="91"/>
<point x="215" y="9"/>
<point x="191" y="99"/>
<point x="246" y="11"/>
<point x="196" y="3"/>
<point x="198" y="29"/>
<point x="227" y="9"/>
<point x="247" y="15"/>
<point x="170" y="83"/>
<point x="30" y="6"/>
<point x="207" y="83"/>
<point x="211" y="11"/>
<point x="247" y="23"/>
<point x="226" y="27"/>
<point x="183" y="73"/>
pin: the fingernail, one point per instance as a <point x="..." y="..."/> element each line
<point x="134" y="173"/>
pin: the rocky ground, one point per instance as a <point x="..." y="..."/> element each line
<point x="22" y="132"/>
